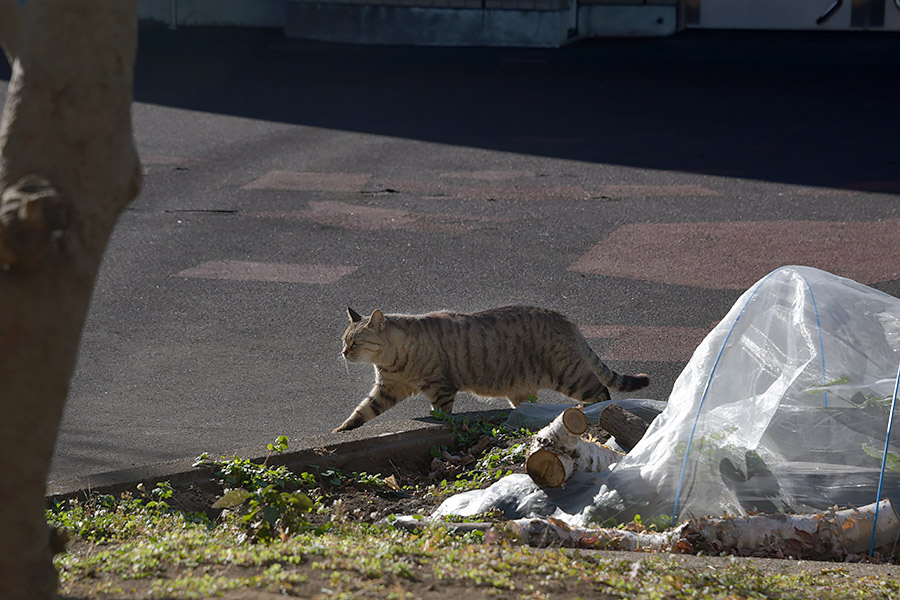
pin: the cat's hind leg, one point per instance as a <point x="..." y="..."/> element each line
<point x="598" y="393"/>
<point x="441" y="397"/>
<point x="582" y="385"/>
<point x="518" y="399"/>
<point x="382" y="397"/>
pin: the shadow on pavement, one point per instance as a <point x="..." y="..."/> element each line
<point x="803" y="108"/>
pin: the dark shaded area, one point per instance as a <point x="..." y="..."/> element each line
<point x="813" y="109"/>
<point x="805" y="108"/>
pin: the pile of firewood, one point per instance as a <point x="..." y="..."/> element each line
<point x="560" y="449"/>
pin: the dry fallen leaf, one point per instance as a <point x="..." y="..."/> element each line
<point x="392" y="483"/>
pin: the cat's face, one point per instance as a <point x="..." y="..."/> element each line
<point x="364" y="338"/>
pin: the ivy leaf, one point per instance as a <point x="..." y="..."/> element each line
<point x="232" y="498"/>
<point x="893" y="459"/>
<point x="297" y="500"/>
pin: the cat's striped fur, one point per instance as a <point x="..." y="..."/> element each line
<point x="512" y="351"/>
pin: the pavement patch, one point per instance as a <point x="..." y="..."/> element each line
<point x="489" y="175"/>
<point x="177" y="162"/>
<point x="733" y="255"/>
<point x="523" y="192"/>
<point x="310" y="182"/>
<point x="640" y="343"/>
<point x="257" y="271"/>
<point x="654" y="191"/>
<point x="370" y="218"/>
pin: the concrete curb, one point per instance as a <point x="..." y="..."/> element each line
<point x="380" y="448"/>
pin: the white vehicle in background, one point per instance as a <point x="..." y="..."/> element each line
<point x="833" y="15"/>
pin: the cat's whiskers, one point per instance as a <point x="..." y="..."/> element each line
<point x="346" y="364"/>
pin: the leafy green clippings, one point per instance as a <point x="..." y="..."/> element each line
<point x="467" y="431"/>
<point x="893" y="459"/>
<point x="815" y="389"/>
<point x="493" y="465"/>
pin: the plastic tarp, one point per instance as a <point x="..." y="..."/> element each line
<point x="784" y="407"/>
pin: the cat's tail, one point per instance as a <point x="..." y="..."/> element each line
<point x="629" y="383"/>
<point x="617" y="381"/>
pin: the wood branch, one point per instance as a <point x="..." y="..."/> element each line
<point x="820" y="535"/>
<point x="627" y="427"/>
<point x="557" y="451"/>
<point x="828" y="535"/>
<point x="541" y="532"/>
<point x="10" y="18"/>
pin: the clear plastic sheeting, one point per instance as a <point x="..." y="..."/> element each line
<point x="784" y="407"/>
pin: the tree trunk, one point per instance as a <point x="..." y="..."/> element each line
<point x="68" y="168"/>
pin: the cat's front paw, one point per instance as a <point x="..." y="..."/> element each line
<point x="353" y="421"/>
<point x="348" y="425"/>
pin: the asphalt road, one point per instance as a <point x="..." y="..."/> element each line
<point x="636" y="185"/>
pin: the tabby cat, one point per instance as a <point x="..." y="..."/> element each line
<point x="512" y="351"/>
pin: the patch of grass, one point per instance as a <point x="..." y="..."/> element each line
<point x="129" y="550"/>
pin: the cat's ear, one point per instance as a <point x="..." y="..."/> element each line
<point x="376" y="321"/>
<point x="355" y="317"/>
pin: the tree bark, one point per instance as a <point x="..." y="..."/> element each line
<point x="627" y="427"/>
<point x="68" y="167"/>
<point x="830" y="535"/>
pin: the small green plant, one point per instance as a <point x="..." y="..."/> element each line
<point x="363" y="478"/>
<point x="660" y="523"/>
<point x="280" y="446"/>
<point x="243" y="472"/>
<point x="157" y="497"/>
<point x="268" y="500"/>
<point x="268" y="512"/>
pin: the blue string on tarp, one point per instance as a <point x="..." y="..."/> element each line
<point x="716" y="364"/>
<point x="712" y="372"/>
<point x="887" y="441"/>
<point x="821" y="345"/>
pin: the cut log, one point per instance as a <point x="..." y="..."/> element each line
<point x="543" y="532"/>
<point x="833" y="534"/>
<point x="820" y="535"/>
<point x="627" y="427"/>
<point x="575" y="421"/>
<point x="557" y="451"/>
<point x="549" y="469"/>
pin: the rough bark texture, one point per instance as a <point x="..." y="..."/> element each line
<point x="627" y="427"/>
<point x="67" y="169"/>
<point x="830" y="535"/>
